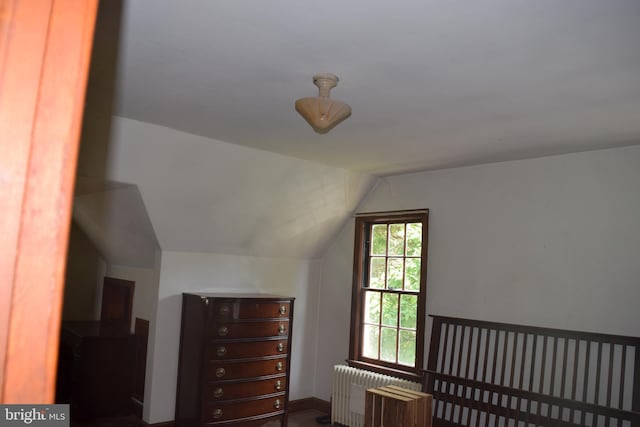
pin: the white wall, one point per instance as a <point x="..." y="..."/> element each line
<point x="193" y="272"/>
<point x="551" y="241"/>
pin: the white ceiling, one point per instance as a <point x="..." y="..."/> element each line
<point x="432" y="84"/>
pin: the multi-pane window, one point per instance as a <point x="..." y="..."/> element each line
<point x="389" y="291"/>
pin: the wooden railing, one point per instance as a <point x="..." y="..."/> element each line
<point x="496" y="374"/>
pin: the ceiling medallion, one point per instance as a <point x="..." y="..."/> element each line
<point x="322" y="112"/>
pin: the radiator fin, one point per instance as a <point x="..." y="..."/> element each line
<point x="343" y="377"/>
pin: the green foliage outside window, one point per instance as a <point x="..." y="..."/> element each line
<point x="391" y="317"/>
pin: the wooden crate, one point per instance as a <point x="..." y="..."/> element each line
<point x="392" y="406"/>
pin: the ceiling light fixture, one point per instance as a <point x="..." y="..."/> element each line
<point x="322" y="112"/>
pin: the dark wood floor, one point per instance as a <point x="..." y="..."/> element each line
<point x="297" y="419"/>
<point x="126" y="421"/>
<point x="301" y="419"/>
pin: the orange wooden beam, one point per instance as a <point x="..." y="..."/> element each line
<point x="45" y="48"/>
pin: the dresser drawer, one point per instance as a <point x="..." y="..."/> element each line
<point x="220" y="411"/>
<point x="240" y="350"/>
<point x="250" y="310"/>
<point x="219" y="370"/>
<point x="238" y="390"/>
<point x="223" y="330"/>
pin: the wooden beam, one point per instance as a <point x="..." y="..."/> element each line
<point x="45" y="48"/>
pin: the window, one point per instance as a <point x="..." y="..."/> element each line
<point x="389" y="293"/>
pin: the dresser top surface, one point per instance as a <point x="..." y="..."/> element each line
<point x="229" y="295"/>
<point x="91" y="328"/>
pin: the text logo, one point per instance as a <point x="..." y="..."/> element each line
<point x="34" y="415"/>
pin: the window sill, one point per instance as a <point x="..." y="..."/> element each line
<point x="410" y="376"/>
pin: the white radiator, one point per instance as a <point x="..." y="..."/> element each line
<point x="347" y="396"/>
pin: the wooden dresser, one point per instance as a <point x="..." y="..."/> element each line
<point x="234" y="359"/>
<point x="95" y="367"/>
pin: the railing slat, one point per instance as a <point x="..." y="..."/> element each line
<point x="542" y="374"/>
<point x="586" y="379"/>
<point x="533" y="368"/>
<point x="513" y="366"/>
<point x="467" y="373"/>
<point x="596" y="393"/>
<point x="554" y="359"/>
<point x="574" y="379"/>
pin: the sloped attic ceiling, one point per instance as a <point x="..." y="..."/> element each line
<point x="209" y="196"/>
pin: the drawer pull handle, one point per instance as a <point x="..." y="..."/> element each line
<point x="281" y="329"/>
<point x="223" y="330"/>
<point x="218" y="393"/>
<point x="278" y="385"/>
<point x="283" y="309"/>
<point x="280" y="347"/>
<point x="217" y="413"/>
<point x="221" y="351"/>
<point x="224" y="310"/>
<point x="277" y="404"/>
<point x="279" y="366"/>
<point x="220" y="372"/>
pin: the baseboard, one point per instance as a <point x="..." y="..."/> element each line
<point x="309" y="403"/>
<point x="136" y="406"/>
<point x="163" y="424"/>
